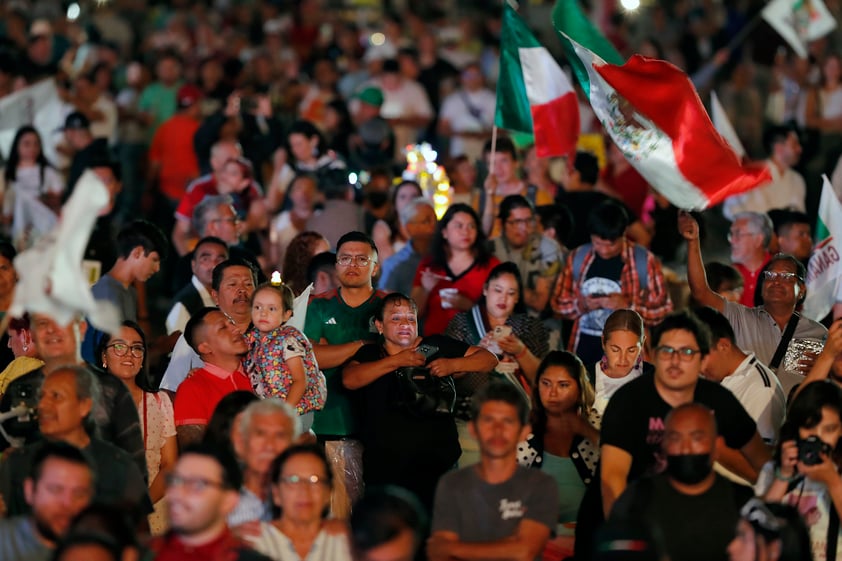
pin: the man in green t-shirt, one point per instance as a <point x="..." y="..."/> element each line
<point x="338" y="323"/>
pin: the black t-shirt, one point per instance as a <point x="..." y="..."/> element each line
<point x="602" y="277"/>
<point x="692" y="527"/>
<point x="634" y="421"/>
<point x="388" y="428"/>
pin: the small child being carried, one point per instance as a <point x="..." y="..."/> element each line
<point x="281" y="362"/>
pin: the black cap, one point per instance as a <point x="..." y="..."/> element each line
<point x="76" y="121"/>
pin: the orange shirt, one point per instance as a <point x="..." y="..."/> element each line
<point x="172" y="149"/>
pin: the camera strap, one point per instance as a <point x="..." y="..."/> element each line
<point x="786" y="337"/>
<point x="832" y="532"/>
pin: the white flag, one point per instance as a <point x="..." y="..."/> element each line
<point x="824" y="271"/>
<point x="724" y="126"/>
<point x="799" y="21"/>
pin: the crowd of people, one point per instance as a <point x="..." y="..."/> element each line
<point x="318" y="360"/>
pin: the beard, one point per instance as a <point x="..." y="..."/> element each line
<point x="45" y="530"/>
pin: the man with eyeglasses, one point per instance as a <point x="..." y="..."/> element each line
<point x="418" y="220"/>
<point x="633" y="425"/>
<point x="202" y="490"/>
<point x="537" y="257"/>
<point x="774" y="331"/>
<point x="339" y="323"/>
<point x="750" y="236"/>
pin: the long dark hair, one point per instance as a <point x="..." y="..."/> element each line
<point x="507" y="268"/>
<point x="439" y="251"/>
<point x="141" y="378"/>
<point x="573" y="365"/>
<point x="805" y="411"/>
<point x="11" y="172"/>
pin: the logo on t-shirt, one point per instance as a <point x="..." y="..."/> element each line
<point x="511" y="509"/>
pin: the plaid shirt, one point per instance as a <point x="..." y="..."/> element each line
<point x="653" y="302"/>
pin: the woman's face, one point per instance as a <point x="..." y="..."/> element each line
<point x="303" y="194"/>
<point x="621" y="347"/>
<point x="832" y="70"/>
<point x="829" y="429"/>
<point x="8" y="277"/>
<point x="400" y="324"/>
<point x="558" y="390"/>
<point x="501" y="296"/>
<point x="302" y="491"/>
<point x="405" y="195"/>
<point x="29" y="147"/>
<point x="302" y="148"/>
<point x="743" y="547"/>
<point x="461" y="231"/>
<point x="126" y="341"/>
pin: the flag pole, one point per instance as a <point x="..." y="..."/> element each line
<point x="743" y="33"/>
<point x="493" y="148"/>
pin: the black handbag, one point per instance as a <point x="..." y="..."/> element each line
<point x="423" y="394"/>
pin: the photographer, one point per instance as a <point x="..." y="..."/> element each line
<point x="805" y="472"/>
<point x="406" y="443"/>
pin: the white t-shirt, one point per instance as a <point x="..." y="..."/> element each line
<point x="604" y="386"/>
<point x="469" y="112"/>
<point x="760" y="392"/>
<point x="786" y="190"/>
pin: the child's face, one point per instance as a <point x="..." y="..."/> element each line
<point x="267" y="311"/>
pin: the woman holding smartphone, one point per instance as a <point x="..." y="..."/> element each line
<point x="403" y="386"/>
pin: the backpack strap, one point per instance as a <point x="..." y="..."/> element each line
<point x="578" y="258"/>
<point x="641" y="263"/>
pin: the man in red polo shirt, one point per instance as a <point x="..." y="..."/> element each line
<point x="220" y="344"/>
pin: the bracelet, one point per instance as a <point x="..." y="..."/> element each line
<point x="780" y="477"/>
<point x="522" y="353"/>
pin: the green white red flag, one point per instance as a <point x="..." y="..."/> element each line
<point x="799" y="21"/>
<point x="654" y="115"/>
<point x="824" y="272"/>
<point x="534" y="95"/>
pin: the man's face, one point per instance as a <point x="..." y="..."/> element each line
<point x="746" y="241"/>
<point x="268" y="436"/>
<point x="114" y="186"/>
<point x="505" y="167"/>
<point x="498" y="430"/>
<point x="783" y="291"/>
<point x="221" y="154"/>
<point x="235" y="290"/>
<point x="680" y="369"/>
<point x="423" y="225"/>
<point x="197" y="501"/>
<point x="147" y="265"/>
<point x="607" y="249"/>
<point x="168" y="70"/>
<point x="221" y="337"/>
<point x="224" y="224"/>
<point x="796" y="240"/>
<point x="518" y="227"/>
<point x="713" y="367"/>
<point x="205" y="258"/>
<point x="355" y="274"/>
<point x="53" y="341"/>
<point x="789" y="151"/>
<point x="62" y="491"/>
<point x="60" y="411"/>
<point x="689" y="431"/>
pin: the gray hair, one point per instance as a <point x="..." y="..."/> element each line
<point x="87" y="387"/>
<point x="410" y="211"/>
<point x="207" y="204"/>
<point x="269" y="406"/>
<point x="761" y="223"/>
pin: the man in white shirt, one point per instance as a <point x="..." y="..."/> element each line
<point x="467" y="115"/>
<point x="208" y="253"/>
<point x="787" y="188"/>
<point x="405" y="104"/>
<point x="752" y="382"/>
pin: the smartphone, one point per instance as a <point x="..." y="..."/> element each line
<point x="502" y="331"/>
<point x="427" y="350"/>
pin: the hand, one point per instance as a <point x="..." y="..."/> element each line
<point x="687" y="226"/>
<point x="429" y="280"/>
<point x="490" y="184"/>
<point x="824" y="472"/>
<point x="438" y="548"/>
<point x="409" y="357"/>
<point x="263" y="108"/>
<point x="441" y="367"/>
<point x="806" y="362"/>
<point x="247" y="530"/>
<point x="789" y="458"/>
<point x="588" y="303"/>
<point x="833" y="343"/>
<point x="512" y="345"/>
<point x="232" y="106"/>
<point x="461" y="302"/>
<point x="279" y="159"/>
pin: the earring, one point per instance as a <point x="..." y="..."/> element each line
<point x="104" y="365"/>
<point x="25" y="348"/>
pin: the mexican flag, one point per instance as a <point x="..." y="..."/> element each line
<point x="824" y="271"/>
<point x="654" y="115"/>
<point x="799" y="21"/>
<point x="534" y="95"/>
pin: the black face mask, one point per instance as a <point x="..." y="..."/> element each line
<point x="689" y="468"/>
<point x="377" y="199"/>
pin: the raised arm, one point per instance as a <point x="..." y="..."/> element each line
<point x="696" y="276"/>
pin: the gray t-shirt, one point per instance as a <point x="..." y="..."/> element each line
<point x="757" y="332"/>
<point x="18" y="541"/>
<point x="482" y="512"/>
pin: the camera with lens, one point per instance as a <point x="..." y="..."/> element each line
<point x="810" y="450"/>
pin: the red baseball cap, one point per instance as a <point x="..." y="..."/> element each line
<point x="187" y="95"/>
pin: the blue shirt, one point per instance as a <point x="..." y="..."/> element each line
<point x="398" y="271"/>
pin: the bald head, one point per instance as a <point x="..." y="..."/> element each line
<point x="690" y="429"/>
